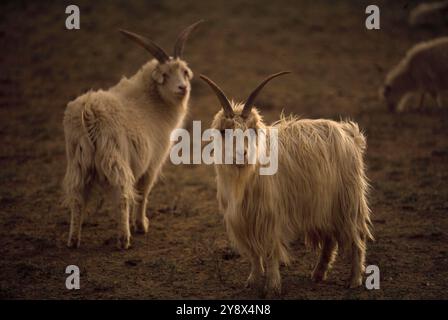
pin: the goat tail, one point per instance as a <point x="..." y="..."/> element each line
<point x="88" y="122"/>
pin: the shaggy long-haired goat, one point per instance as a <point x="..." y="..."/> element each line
<point x="320" y="191"/>
<point x="119" y="138"/>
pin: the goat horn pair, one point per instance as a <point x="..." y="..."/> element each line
<point x="155" y="49"/>
<point x="227" y="107"/>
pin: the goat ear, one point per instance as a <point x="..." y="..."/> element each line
<point x="190" y="74"/>
<point x="157" y="76"/>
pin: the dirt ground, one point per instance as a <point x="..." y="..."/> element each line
<point x="338" y="67"/>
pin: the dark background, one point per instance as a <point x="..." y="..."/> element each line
<point x="338" y="68"/>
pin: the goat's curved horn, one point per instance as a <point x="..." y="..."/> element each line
<point x="250" y="101"/>
<point x="226" y="106"/>
<point x="182" y="38"/>
<point x="149" y="45"/>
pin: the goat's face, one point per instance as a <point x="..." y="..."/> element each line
<point x="173" y="80"/>
<point x="171" y="73"/>
<point x="398" y="82"/>
<point x="246" y="148"/>
<point x="243" y="120"/>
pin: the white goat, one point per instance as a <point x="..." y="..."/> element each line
<point x="319" y="191"/>
<point x="119" y="138"/>
<point x="424" y="69"/>
<point x="432" y="13"/>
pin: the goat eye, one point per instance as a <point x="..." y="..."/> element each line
<point x="186" y="74"/>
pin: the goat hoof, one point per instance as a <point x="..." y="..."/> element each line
<point x="262" y="293"/>
<point x="273" y="290"/>
<point x="142" y="226"/>
<point x="123" y="242"/>
<point x="266" y="293"/>
<point x="73" y="243"/>
<point x="276" y="291"/>
<point x="354" y="282"/>
<point x="318" y="276"/>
